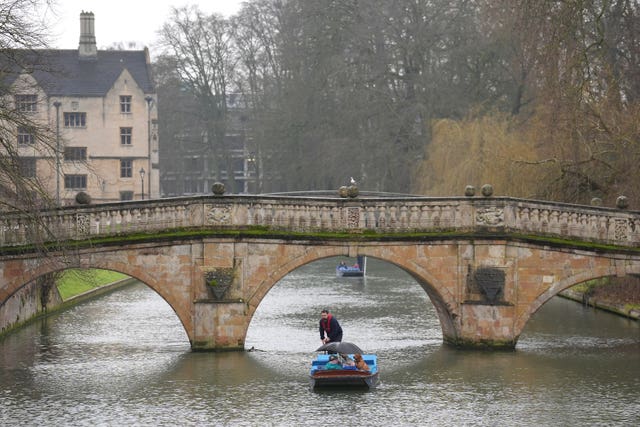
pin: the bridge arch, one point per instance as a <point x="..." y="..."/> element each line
<point x="567" y="283"/>
<point x="439" y="295"/>
<point x="131" y="269"/>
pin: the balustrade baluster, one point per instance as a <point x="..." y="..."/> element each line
<point x="111" y="221"/>
<point x="554" y="225"/>
<point x="447" y="218"/>
<point x="181" y="216"/>
<point x="544" y="220"/>
<point x="59" y="225"/>
<point x="12" y="232"/>
<point x="150" y="218"/>
<point x="370" y="218"/>
<point x="164" y="213"/>
<point x="125" y="215"/>
<point x="252" y="214"/>
<point x="279" y="216"/>
<point x="4" y="225"/>
<point x="414" y="217"/>
<point x="157" y="218"/>
<point x="116" y="222"/>
<point x="313" y="217"/>
<point x="425" y="216"/>
<point x="301" y="217"/>
<point x="336" y="213"/>
<point x="404" y="219"/>
<point x="325" y="218"/>
<point x="393" y="219"/>
<point x="436" y="216"/>
<point x="289" y="216"/>
<point x="593" y="226"/>
<point x="574" y="226"/>
<point x="635" y="230"/>
<point x="269" y="215"/>
<point x="382" y="217"/>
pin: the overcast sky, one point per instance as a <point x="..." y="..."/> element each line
<point x="121" y="20"/>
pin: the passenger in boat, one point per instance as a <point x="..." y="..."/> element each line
<point x="342" y="265"/>
<point x="333" y="363"/>
<point x="347" y="361"/>
<point x="360" y="363"/>
<point x="330" y="329"/>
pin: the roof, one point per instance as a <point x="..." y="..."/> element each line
<point x="61" y="72"/>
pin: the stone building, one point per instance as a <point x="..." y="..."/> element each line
<point x="102" y="106"/>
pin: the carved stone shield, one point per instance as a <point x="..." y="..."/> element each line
<point x="490" y="280"/>
<point x="219" y="281"/>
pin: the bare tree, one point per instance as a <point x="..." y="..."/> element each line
<point x="202" y="47"/>
<point x="21" y="125"/>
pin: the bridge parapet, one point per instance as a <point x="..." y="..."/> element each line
<point x="308" y="214"/>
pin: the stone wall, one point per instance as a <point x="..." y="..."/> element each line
<point x="34" y="299"/>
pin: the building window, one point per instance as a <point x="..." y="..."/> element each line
<point x="76" y="182"/>
<point x="27" y="167"/>
<point x="126" y="195"/>
<point x="126" y="168"/>
<point x="125" y="136"/>
<point x="125" y="104"/>
<point x="192" y="187"/>
<point x="75" y="120"/>
<point x="24" y="136"/>
<point x="72" y="154"/>
<point x="27" y="103"/>
<point x="194" y="164"/>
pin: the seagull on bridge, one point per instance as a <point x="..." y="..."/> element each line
<point x="353" y="181"/>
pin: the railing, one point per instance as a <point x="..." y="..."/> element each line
<point x="308" y="214"/>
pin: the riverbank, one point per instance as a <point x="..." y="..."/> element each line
<point x="619" y="296"/>
<point x="75" y="282"/>
<point x="54" y="293"/>
<point x="76" y="286"/>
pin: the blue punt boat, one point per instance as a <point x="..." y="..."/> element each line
<point x="357" y="270"/>
<point x="349" y="376"/>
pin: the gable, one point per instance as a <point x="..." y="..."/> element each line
<point x="63" y="73"/>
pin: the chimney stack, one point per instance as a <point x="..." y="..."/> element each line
<point x="87" y="48"/>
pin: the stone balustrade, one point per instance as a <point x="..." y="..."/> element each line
<point x="309" y="214"/>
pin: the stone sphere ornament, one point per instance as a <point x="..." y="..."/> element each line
<point x="352" y="190"/>
<point x="622" y="202"/>
<point x="83" y="198"/>
<point x="469" y="191"/>
<point x="596" y="201"/>
<point x="487" y="190"/>
<point x="343" y="192"/>
<point x="218" y="188"/>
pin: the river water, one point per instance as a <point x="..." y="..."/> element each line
<point x="124" y="359"/>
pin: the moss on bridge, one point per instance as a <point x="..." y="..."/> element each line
<point x="318" y="236"/>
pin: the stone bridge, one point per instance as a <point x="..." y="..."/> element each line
<point x="486" y="263"/>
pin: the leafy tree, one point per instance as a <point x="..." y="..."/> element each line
<point x="487" y="149"/>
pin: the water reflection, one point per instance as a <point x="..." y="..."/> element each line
<point x="125" y="360"/>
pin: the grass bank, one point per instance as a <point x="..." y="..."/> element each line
<point x="74" y="282"/>
<point x="617" y="295"/>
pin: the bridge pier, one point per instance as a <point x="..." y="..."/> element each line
<point x="483" y="326"/>
<point x="219" y="325"/>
